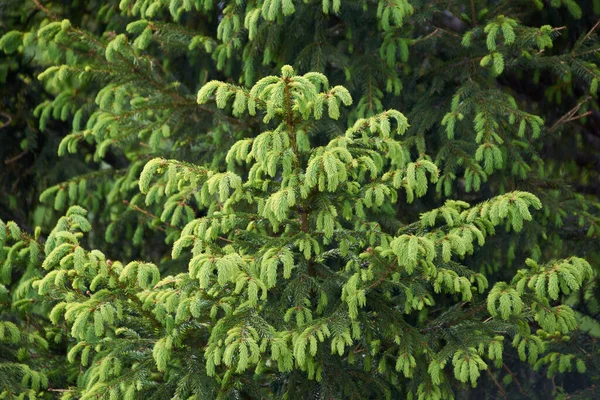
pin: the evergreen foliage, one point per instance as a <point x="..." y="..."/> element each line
<point x="318" y="199"/>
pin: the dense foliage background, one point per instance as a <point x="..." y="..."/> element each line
<point x="382" y="287"/>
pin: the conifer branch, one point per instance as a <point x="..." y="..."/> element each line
<point x="299" y="268"/>
<point x="134" y="300"/>
<point x="579" y="43"/>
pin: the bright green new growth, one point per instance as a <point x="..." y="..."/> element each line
<point x="287" y="229"/>
<point x="262" y="222"/>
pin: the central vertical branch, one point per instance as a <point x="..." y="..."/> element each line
<point x="289" y="119"/>
<point x="303" y="207"/>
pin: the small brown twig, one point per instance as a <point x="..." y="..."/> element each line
<point x="15" y="158"/>
<point x="45" y="10"/>
<point x="145" y="212"/>
<point x="8" y="117"/>
<point x="387" y="273"/>
<point x="500" y="389"/>
<point x="586" y="36"/>
<point x="592" y="30"/>
<point x="514" y="377"/>
<point x="585" y="114"/>
<point x="570" y="115"/>
<point x="435" y="32"/>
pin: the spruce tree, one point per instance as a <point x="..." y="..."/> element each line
<point x="305" y="200"/>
